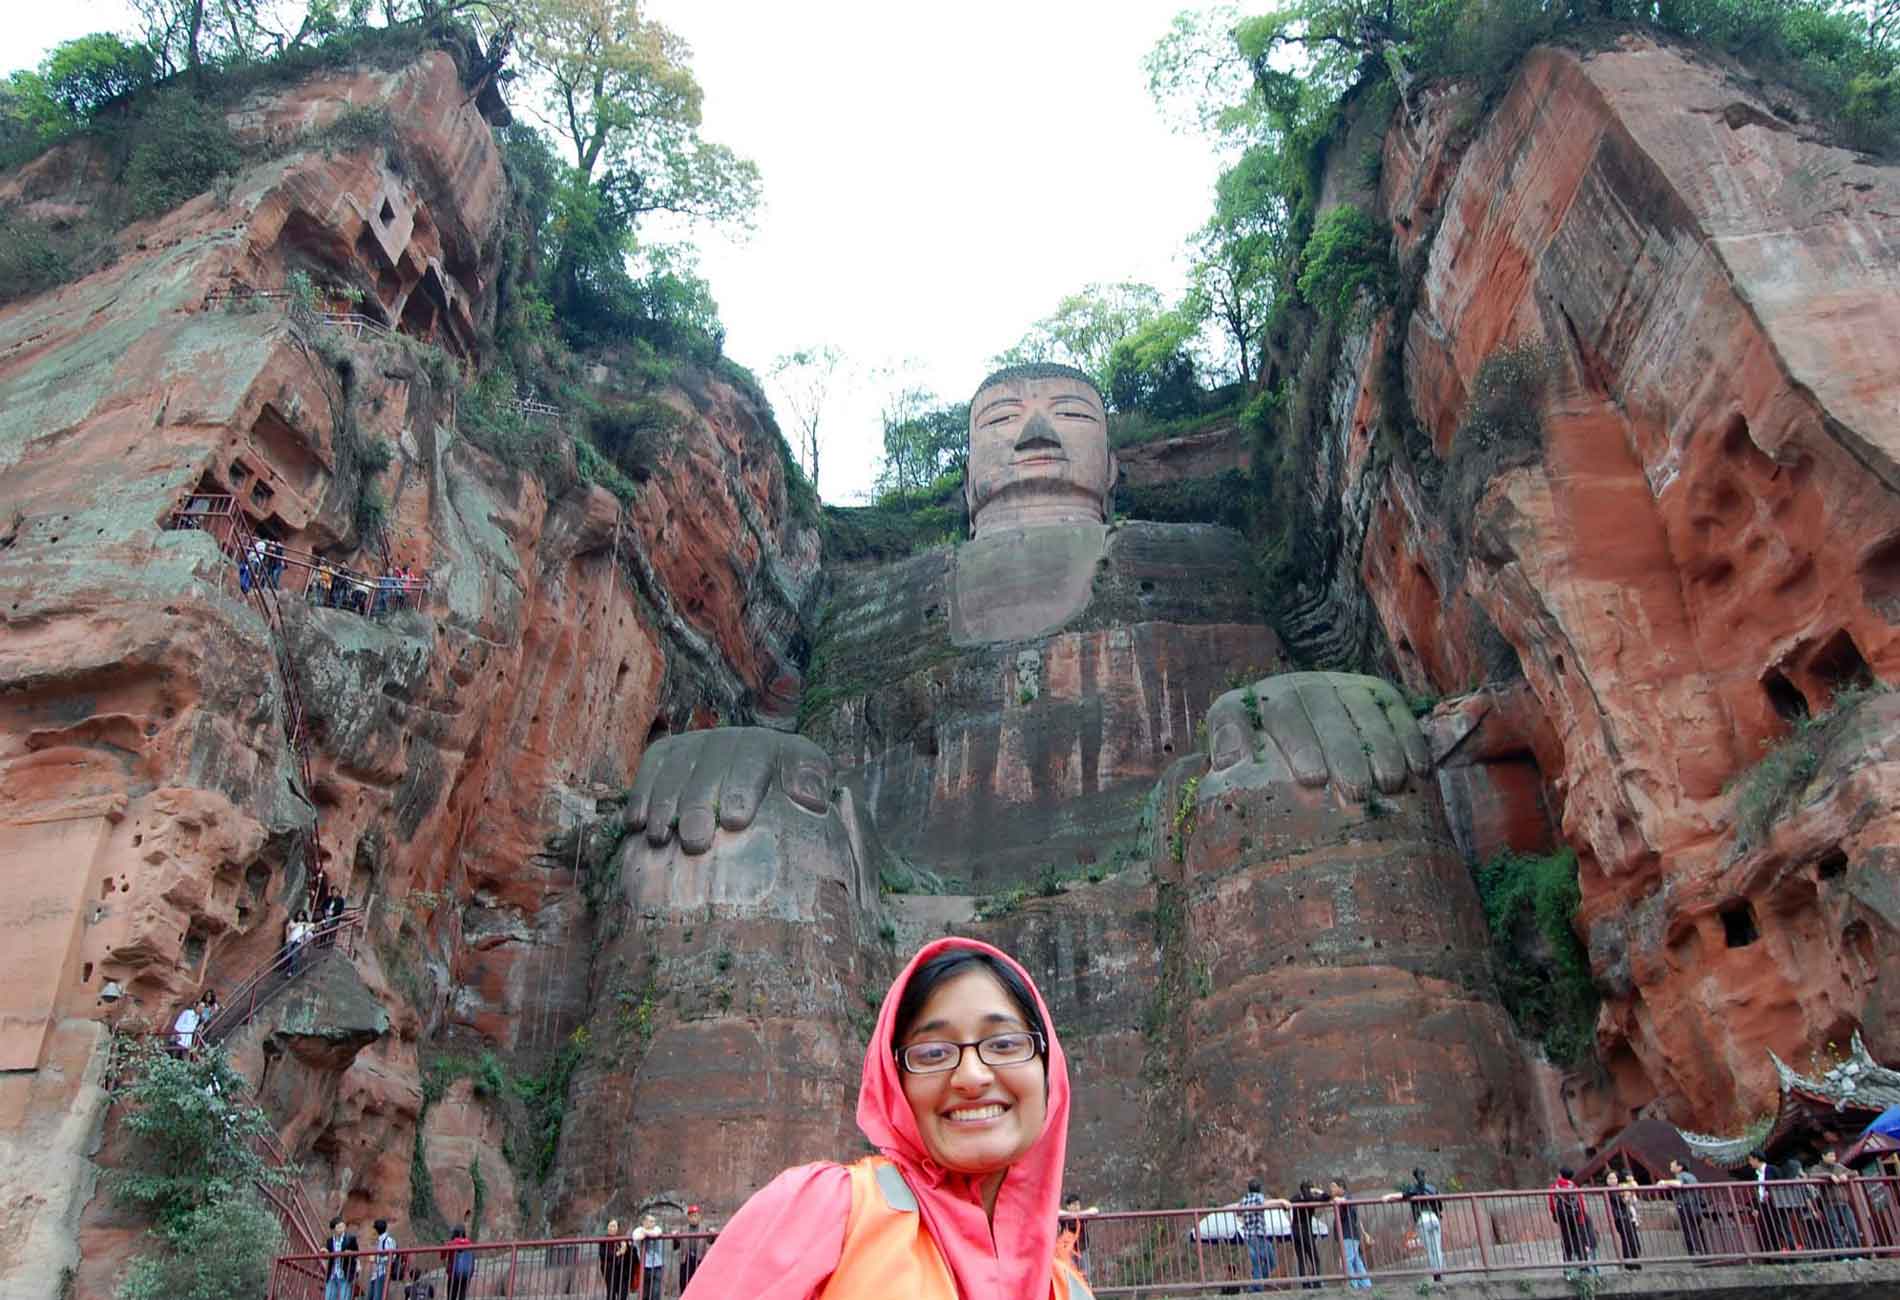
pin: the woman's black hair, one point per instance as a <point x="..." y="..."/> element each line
<point x="948" y="964"/>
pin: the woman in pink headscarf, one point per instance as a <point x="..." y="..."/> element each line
<point x="966" y="1098"/>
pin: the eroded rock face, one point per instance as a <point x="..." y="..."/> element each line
<point x="1704" y="282"/>
<point x="153" y="807"/>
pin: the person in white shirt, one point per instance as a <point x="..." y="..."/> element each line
<point x="185" y="1031"/>
<point x="379" y="1272"/>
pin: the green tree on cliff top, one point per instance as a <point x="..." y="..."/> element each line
<point x="617" y="90"/>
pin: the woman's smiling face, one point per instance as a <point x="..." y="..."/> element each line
<point x="977" y="1118"/>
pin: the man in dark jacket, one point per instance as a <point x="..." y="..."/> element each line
<point x="339" y="1265"/>
<point x="1305" y="1248"/>
<point x="690" y="1249"/>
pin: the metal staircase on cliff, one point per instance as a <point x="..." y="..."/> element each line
<point x="252" y="994"/>
<point x="221" y="517"/>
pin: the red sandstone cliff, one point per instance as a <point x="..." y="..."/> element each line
<point x="153" y="806"/>
<point x="1697" y="548"/>
<point x="1700" y="546"/>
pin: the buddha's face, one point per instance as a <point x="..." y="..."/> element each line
<point x="1038" y="454"/>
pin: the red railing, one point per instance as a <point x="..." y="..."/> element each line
<point x="1179" y="1252"/>
<point x="561" y="1266"/>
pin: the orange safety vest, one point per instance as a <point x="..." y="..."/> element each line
<point x="889" y="1253"/>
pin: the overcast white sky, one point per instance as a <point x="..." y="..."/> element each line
<point x="935" y="177"/>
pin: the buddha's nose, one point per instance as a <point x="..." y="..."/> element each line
<point x="1038" y="432"/>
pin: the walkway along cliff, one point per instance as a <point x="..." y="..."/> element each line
<point x="1686" y="556"/>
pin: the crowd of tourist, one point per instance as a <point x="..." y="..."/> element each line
<point x="1792" y="1210"/>
<point x="262" y="561"/>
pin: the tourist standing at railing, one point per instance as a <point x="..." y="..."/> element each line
<point x="339" y="1273"/>
<point x="647" y="1239"/>
<point x="1253" y="1232"/>
<point x="1426" y="1221"/>
<point x="1689" y="1207"/>
<point x="1575" y="1232"/>
<point x="1883" y="1214"/>
<point x="1072" y="1234"/>
<point x="459" y="1259"/>
<point x="690" y="1249"/>
<point x="1305" y="1247"/>
<point x="379" y="1269"/>
<point x="965" y="1096"/>
<point x="1623" y="1211"/>
<point x="318" y="592"/>
<point x="208" y="1009"/>
<point x="617" y="1262"/>
<point x="1797" y="1202"/>
<point x="1837" y="1186"/>
<point x="1351" y="1243"/>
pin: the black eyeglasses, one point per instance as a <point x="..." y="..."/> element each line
<point x="1014" y="1048"/>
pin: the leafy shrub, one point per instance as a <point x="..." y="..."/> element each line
<point x="193" y="1168"/>
<point x="1223" y="498"/>
<point x="1543" y="970"/>
<point x="635" y="434"/>
<point x="179" y="146"/>
<point x="35" y="257"/>
<point x="1502" y="429"/>
<point x="1347" y="253"/>
<point x="361" y="126"/>
<point x="1766" y="791"/>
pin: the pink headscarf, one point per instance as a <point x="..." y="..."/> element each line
<point x="1017" y="1267"/>
<point x="786" y="1241"/>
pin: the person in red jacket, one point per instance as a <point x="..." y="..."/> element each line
<point x="1574" y="1230"/>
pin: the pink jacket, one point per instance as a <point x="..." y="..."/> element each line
<point x="785" y="1242"/>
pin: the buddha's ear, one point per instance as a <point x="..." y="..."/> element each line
<point x="1108" y="488"/>
<point x="969" y="497"/>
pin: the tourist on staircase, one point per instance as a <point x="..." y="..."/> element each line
<point x="296" y="935"/>
<point x="185" y="1031"/>
<point x="965" y="1095"/>
<point x="339" y="1273"/>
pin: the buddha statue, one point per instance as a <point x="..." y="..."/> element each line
<point x="1037" y="484"/>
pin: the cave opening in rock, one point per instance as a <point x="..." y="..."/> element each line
<point x="1738" y="924"/>
<point x="1833" y="864"/>
<point x="1789" y="704"/>
<point x="659" y="731"/>
<point x="1840" y="664"/>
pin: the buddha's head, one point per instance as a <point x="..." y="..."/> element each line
<point x="1038" y="450"/>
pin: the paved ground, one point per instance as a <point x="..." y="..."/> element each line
<point x="1855" y="1280"/>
